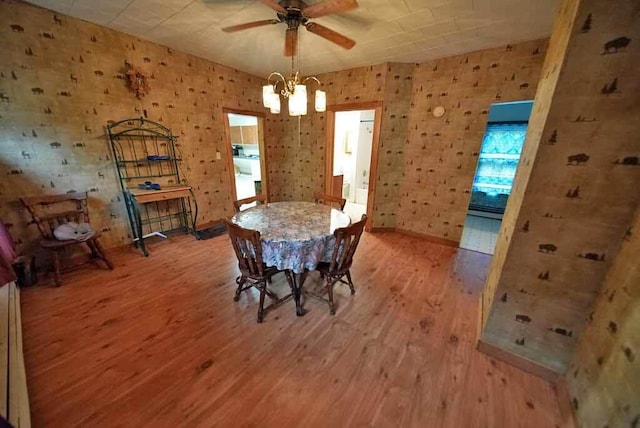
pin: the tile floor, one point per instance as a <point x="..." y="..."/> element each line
<point x="355" y="211"/>
<point x="244" y="186"/>
<point x="480" y="234"/>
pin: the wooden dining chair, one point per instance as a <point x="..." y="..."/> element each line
<point x="258" y="199"/>
<point x="332" y="201"/>
<point x="47" y="215"/>
<point x="347" y="239"/>
<point x="253" y="271"/>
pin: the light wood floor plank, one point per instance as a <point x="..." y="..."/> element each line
<point x="159" y="341"/>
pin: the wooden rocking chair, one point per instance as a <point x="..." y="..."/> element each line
<point x="47" y="219"/>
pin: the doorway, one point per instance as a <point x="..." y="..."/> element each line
<point x="245" y="145"/>
<point x="497" y="164"/>
<point x="352" y="146"/>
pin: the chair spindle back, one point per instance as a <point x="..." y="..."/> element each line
<point x="47" y="211"/>
<point x="347" y="239"/>
<point x="258" y="199"/>
<point x="321" y="198"/>
<point x="248" y="249"/>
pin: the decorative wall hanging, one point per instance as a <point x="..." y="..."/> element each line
<point x="137" y="81"/>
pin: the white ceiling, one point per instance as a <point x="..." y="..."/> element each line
<point x="384" y="30"/>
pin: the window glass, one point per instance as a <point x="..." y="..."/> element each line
<point x="499" y="156"/>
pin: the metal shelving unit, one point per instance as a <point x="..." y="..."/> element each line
<point x="144" y="150"/>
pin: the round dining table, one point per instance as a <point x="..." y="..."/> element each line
<point x="295" y="236"/>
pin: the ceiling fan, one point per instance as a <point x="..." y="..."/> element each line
<point x="295" y="13"/>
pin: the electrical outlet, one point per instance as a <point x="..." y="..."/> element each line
<point x="218" y="155"/>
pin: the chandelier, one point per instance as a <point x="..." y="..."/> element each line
<point x="294" y="90"/>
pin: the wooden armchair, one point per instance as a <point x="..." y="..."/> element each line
<point x="253" y="271"/>
<point x="347" y="239"/>
<point x="45" y="215"/>
<point x="332" y="201"/>
<point x="258" y="199"/>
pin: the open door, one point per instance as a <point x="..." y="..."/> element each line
<point x="353" y="138"/>
<point x="245" y="153"/>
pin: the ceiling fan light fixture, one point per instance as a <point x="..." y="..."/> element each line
<point x="321" y="101"/>
<point x="267" y="95"/>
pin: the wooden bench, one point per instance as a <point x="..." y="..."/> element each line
<point x="14" y="398"/>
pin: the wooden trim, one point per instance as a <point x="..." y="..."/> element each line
<point x="518" y="361"/>
<point x="375" y="145"/>
<point x="209" y="224"/>
<point x="367" y="105"/>
<point x="226" y="110"/>
<point x="567" y="411"/>
<point x="4" y="349"/>
<point x="330" y="134"/>
<point x="15" y="404"/>
<point x="373" y="165"/>
<point x="382" y="229"/>
<point x="24" y="411"/>
<point x="435" y="239"/>
<point x="264" y="176"/>
<point x="229" y="153"/>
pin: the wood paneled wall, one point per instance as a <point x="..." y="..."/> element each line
<point x="582" y="193"/>
<point x="61" y="80"/>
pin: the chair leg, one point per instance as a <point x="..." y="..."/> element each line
<point x="351" y="287"/>
<point x="102" y="254"/>
<point x="56" y="268"/>
<point x="263" y="292"/>
<point x="332" y="308"/>
<point x="240" y="281"/>
<point x="94" y="251"/>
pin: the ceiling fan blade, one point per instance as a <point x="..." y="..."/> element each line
<point x="330" y="35"/>
<point x="250" y="25"/>
<point x="328" y="7"/>
<point x="273" y="4"/>
<point x="291" y="42"/>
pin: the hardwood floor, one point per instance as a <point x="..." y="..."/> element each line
<point x="159" y="341"/>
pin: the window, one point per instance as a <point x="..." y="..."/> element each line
<point x="499" y="156"/>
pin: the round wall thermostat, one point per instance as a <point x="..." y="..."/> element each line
<point x="438" y="111"/>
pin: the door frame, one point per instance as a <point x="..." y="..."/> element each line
<point x="261" y="148"/>
<point x="375" y="144"/>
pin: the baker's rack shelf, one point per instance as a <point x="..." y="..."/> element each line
<point x="145" y="150"/>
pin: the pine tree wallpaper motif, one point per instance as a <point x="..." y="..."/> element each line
<point x="441" y="154"/>
<point x="445" y="150"/>
<point x="604" y="375"/>
<point x="62" y="80"/>
<point x="582" y="191"/>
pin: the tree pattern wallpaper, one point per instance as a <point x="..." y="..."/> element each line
<point x="582" y="192"/>
<point x="441" y="154"/>
<point x="421" y="158"/>
<point x="62" y="80"/>
<point x="604" y="375"/>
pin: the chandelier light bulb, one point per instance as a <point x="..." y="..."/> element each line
<point x="321" y="101"/>
<point x="267" y="95"/>
<point x="298" y="101"/>
<point x="274" y="103"/>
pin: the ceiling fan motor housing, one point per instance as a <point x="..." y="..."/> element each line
<point x="294" y="17"/>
